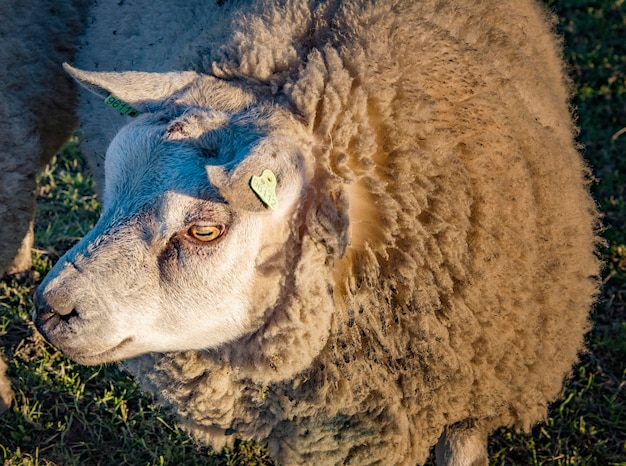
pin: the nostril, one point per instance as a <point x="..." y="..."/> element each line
<point x="69" y="315"/>
<point x="43" y="312"/>
<point x="54" y="304"/>
<point x="59" y="302"/>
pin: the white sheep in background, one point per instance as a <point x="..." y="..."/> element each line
<point x="36" y="116"/>
<point x="348" y="229"/>
<point x="36" y="109"/>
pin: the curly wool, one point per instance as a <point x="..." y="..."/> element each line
<point x="37" y="101"/>
<point x="448" y="264"/>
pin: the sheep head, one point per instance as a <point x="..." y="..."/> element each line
<point x="190" y="253"/>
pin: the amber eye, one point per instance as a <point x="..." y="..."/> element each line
<point x="206" y="233"/>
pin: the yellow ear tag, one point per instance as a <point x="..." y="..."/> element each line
<point x="264" y="187"/>
<point x="121" y="106"/>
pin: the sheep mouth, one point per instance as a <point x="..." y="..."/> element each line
<point x="114" y="354"/>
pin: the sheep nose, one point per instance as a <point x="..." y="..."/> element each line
<point x="50" y="304"/>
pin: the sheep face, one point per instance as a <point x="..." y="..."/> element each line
<point x="185" y="253"/>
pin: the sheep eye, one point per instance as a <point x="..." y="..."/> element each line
<point x="205" y="233"/>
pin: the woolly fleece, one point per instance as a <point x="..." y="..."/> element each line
<point x="37" y="103"/>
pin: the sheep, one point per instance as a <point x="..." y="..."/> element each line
<point x="37" y="101"/>
<point x="349" y="230"/>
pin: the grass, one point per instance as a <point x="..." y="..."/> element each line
<point x="67" y="414"/>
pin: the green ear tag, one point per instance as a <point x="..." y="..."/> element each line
<point x="265" y="188"/>
<point x="121" y="106"/>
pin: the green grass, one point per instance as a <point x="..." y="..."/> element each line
<point x="67" y="414"/>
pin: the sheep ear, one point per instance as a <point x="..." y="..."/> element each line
<point x="140" y="91"/>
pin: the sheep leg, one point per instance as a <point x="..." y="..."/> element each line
<point x="6" y="394"/>
<point x="23" y="260"/>
<point x="462" y="446"/>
